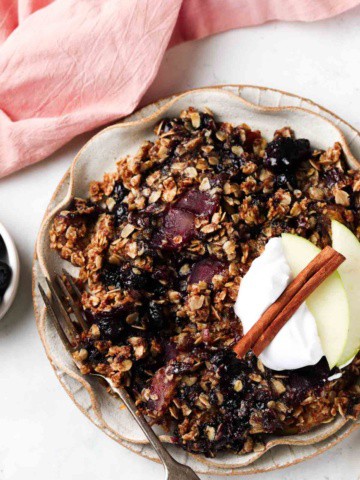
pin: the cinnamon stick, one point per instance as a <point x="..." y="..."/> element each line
<point x="276" y="316"/>
<point x="309" y="287"/>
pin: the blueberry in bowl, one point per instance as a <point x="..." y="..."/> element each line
<point x="5" y="277"/>
<point x="2" y="248"/>
<point x="9" y="271"/>
<point x="5" y="270"/>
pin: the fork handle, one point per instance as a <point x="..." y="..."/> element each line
<point x="168" y="461"/>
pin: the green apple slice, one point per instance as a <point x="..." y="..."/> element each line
<point x="345" y="242"/>
<point x="328" y="304"/>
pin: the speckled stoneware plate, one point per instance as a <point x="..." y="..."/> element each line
<point x="261" y="108"/>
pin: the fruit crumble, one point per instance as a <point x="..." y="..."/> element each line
<point x="162" y="244"/>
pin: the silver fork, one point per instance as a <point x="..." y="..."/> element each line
<point x="58" y="306"/>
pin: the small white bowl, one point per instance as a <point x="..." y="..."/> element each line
<point x="12" y="259"/>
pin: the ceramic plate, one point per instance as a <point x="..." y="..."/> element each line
<point x="263" y="109"/>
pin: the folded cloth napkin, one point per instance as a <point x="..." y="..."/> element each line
<point x="68" y="66"/>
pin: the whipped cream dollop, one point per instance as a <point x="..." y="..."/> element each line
<point x="297" y="344"/>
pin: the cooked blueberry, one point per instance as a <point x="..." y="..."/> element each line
<point x="332" y="177"/>
<point x="302" y="379"/>
<point x="284" y="154"/>
<point x="285" y="180"/>
<point x="156" y="316"/>
<point x="230" y="165"/>
<point x="138" y="281"/>
<point x="119" y="191"/>
<point x="111" y="329"/>
<point x="94" y="356"/>
<point x="165" y="277"/>
<point x="270" y="420"/>
<point x="140" y="219"/>
<point x="111" y="275"/>
<point x="120" y="212"/>
<point x="207" y="121"/>
<point x="164" y="273"/>
<point x="125" y="277"/>
<point x="111" y="323"/>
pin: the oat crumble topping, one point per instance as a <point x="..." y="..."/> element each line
<point x="162" y="244"/>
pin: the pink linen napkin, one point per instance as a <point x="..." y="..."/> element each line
<point x="68" y="66"/>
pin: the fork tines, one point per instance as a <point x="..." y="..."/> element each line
<point x="59" y="304"/>
<point x="73" y="304"/>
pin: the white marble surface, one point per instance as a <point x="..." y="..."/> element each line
<point x="42" y="433"/>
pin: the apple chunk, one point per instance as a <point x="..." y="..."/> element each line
<point x="345" y="242"/>
<point x="328" y="304"/>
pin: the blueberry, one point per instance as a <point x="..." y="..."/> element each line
<point x="111" y="323"/>
<point x="284" y="154"/>
<point x="111" y="275"/>
<point x="207" y="121"/>
<point x="95" y="357"/>
<point x="138" y="281"/>
<point x="270" y="421"/>
<point x="303" y="379"/>
<point x="124" y="277"/>
<point x="140" y="219"/>
<point x="156" y="316"/>
<point x="120" y="212"/>
<point x="2" y="247"/>
<point x="5" y="277"/>
<point x="332" y="177"/>
<point x="111" y="328"/>
<point x="286" y="181"/>
<point x="119" y="191"/>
